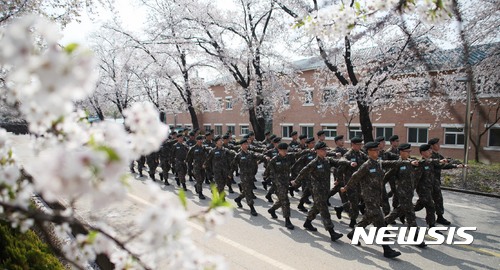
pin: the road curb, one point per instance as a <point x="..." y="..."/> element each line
<point x="471" y="192"/>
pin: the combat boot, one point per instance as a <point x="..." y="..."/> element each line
<point x="307" y="201"/>
<point x="308" y="226"/>
<point x="132" y="169"/>
<point x="161" y="176"/>
<point x="230" y="188"/>
<point x="178" y="181"/>
<point x="350" y="235"/>
<point x="334" y="236"/>
<point x="238" y="202"/>
<point x="272" y="211"/>
<point x="290" y="190"/>
<point x="418" y="206"/>
<point x="191" y="178"/>
<point x="361" y="208"/>
<point x="269" y="198"/>
<point x="201" y="196"/>
<point x="252" y="211"/>
<point x="184" y="187"/>
<point x="421" y="245"/>
<point x="352" y="223"/>
<point x="389" y="252"/>
<point x="264" y="184"/>
<point x="288" y="224"/>
<point x="442" y="220"/>
<point x="402" y="219"/>
<point x="140" y="173"/>
<point x="152" y="176"/>
<point x="338" y="211"/>
<point x="301" y="207"/>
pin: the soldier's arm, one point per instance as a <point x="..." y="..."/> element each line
<point x="208" y="161"/>
<point x="391" y="156"/>
<point x="235" y="163"/>
<point x="391" y="164"/>
<point x="357" y="176"/>
<point x="269" y="169"/>
<point x="307" y="170"/>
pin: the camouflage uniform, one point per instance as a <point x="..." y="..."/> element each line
<point x="179" y="153"/>
<point x="217" y="161"/>
<point x="278" y="169"/>
<point x="308" y="156"/>
<point x="394" y="151"/>
<point x="339" y="177"/>
<point x="318" y="171"/>
<point x="209" y="176"/>
<point x="246" y="161"/>
<point x="354" y="193"/>
<point x="437" y="195"/>
<point x="153" y="161"/>
<point x="294" y="144"/>
<point x="386" y="207"/>
<point x="196" y="156"/>
<point x="165" y="158"/>
<point x="424" y="183"/>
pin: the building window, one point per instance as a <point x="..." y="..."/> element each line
<point x="454" y="136"/>
<point x="231" y="128"/>
<point x="494" y="137"/>
<point x="328" y="95"/>
<point x="386" y="132"/>
<point x="220" y="103"/>
<point x="307" y="130"/>
<point x="207" y="128"/>
<point x="286" y="98"/>
<point x="355" y="132"/>
<point x="330" y="131"/>
<point x="244" y="129"/>
<point x="417" y="135"/>
<point x="308" y="97"/>
<point x="286" y="131"/>
<point x="229" y="103"/>
<point x="218" y="129"/>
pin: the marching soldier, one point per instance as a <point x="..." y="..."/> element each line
<point x="165" y="156"/>
<point x="179" y="153"/>
<point x="294" y="144"/>
<point x="153" y="161"/>
<point x="302" y="141"/>
<point x="319" y="172"/>
<point x="394" y="140"/>
<point x="196" y="156"/>
<point x="217" y="161"/>
<point x="245" y="160"/>
<point x="305" y="159"/>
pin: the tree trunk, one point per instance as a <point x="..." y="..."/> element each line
<point x="365" y="122"/>
<point x="258" y="124"/>
<point x="194" y="117"/>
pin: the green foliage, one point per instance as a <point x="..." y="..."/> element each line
<point x="218" y="199"/>
<point x="20" y="251"/>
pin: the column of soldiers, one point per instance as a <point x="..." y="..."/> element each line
<point x="360" y="175"/>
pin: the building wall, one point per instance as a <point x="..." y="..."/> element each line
<point x="304" y="117"/>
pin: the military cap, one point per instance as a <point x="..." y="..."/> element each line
<point x="179" y="135"/>
<point x="186" y="129"/>
<point x="371" y="145"/>
<point x="246" y="136"/>
<point x="283" y="145"/>
<point x="242" y="141"/>
<point x="310" y="139"/>
<point x="225" y="137"/>
<point x="394" y="138"/>
<point x="208" y="133"/>
<point x="424" y="147"/>
<point x="320" y="145"/>
<point x="302" y="136"/>
<point x="196" y="130"/>
<point x="267" y="132"/>
<point x="404" y="146"/>
<point x="321" y="132"/>
<point x="173" y="132"/>
<point x="433" y="141"/>
<point x="217" y="138"/>
<point x="251" y="133"/>
<point x="338" y="138"/>
<point x="379" y="139"/>
<point x="191" y="133"/>
<point x="293" y="133"/>
<point x="356" y="140"/>
<point x="277" y="140"/>
<point x="199" y="137"/>
<point x="272" y="137"/>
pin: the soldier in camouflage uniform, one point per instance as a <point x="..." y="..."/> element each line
<point x="294" y="144"/>
<point x="165" y="157"/>
<point x="245" y="160"/>
<point x="370" y="177"/>
<point x="218" y="160"/>
<point x="302" y="141"/>
<point x="271" y="153"/>
<point x="338" y="174"/>
<point x="383" y="155"/>
<point x="405" y="186"/>
<point x="191" y="141"/>
<point x="153" y="160"/>
<point x="278" y="169"/>
<point x="179" y="153"/>
<point x="393" y="149"/>
<point x="319" y="171"/>
<point x="307" y="157"/>
<point x="196" y="156"/>
<point x="141" y="164"/>
<point x="354" y="194"/>
<point x="208" y="142"/>
<point x="229" y="145"/>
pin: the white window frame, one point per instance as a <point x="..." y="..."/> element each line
<point x="233" y="127"/>
<point x="488" y="147"/>
<point x="454" y="146"/>
<point x="308" y="97"/>
<point x="218" y="125"/>
<point x="308" y="125"/>
<point x="286" y="98"/>
<point x="331" y="93"/>
<point x="418" y="126"/>
<point x="228" y="101"/>
<point x="384" y="126"/>
<point x="353" y="125"/>
<point x="283" y="125"/>
<point x="220" y="103"/>
<point x="328" y="131"/>
<point x="241" y="129"/>
<point x="205" y="127"/>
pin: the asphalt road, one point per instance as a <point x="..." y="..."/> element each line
<point x="260" y="242"/>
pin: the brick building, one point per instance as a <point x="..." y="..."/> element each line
<point x="303" y="117"/>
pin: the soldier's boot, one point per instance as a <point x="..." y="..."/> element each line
<point x="184" y="187"/>
<point x="301" y="207"/>
<point x="334" y="236"/>
<point x="350" y="235"/>
<point x="361" y="208"/>
<point x="389" y="252"/>
<point x="264" y="184"/>
<point x="290" y="190"/>
<point x="269" y="198"/>
<point x="152" y="175"/>
<point x="441" y="220"/>
<point x="161" y="176"/>
<point x="352" y="223"/>
<point x="237" y="173"/>
<point x="132" y="169"/>
<point x="421" y="245"/>
<point x="207" y="181"/>
<point x="178" y="181"/>
<point x="402" y="219"/>
<point x="338" y="211"/>
<point x="230" y="188"/>
<point x="308" y="226"/>
<point x="288" y="224"/>
<point x="140" y="173"/>
<point x="239" y="186"/>
<point x="418" y="206"/>
<point x="232" y="180"/>
<point x="254" y="186"/>
<point x="307" y="201"/>
<point x="253" y="196"/>
<point x="272" y="211"/>
<point x="252" y="211"/>
<point x="191" y="178"/>
<point x="237" y="200"/>
<point x="201" y="196"/>
<point x="437" y="231"/>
